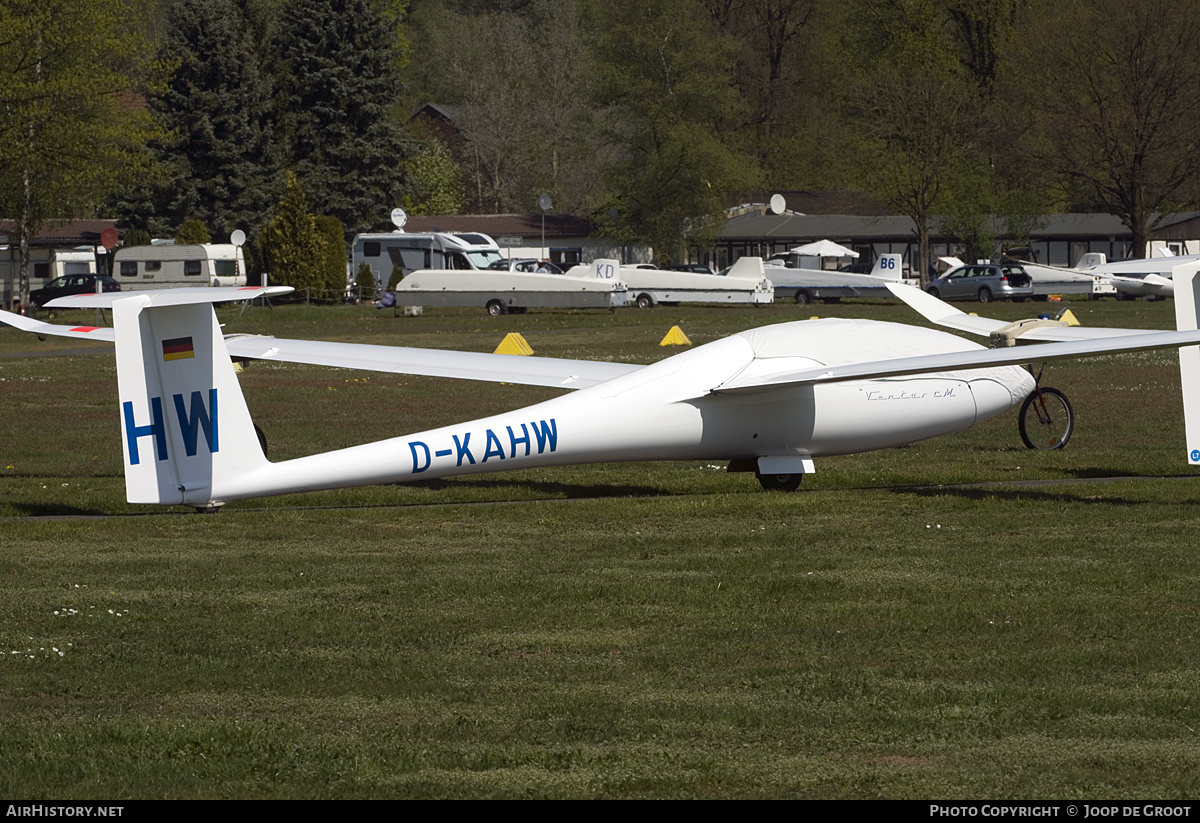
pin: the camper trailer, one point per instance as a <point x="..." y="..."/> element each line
<point x="423" y="250"/>
<point x="172" y="267"/>
<point x="46" y="265"/>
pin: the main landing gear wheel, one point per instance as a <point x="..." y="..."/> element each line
<point x="1046" y="419"/>
<point x="495" y="308"/>
<point x="779" y="482"/>
<point x="803" y="297"/>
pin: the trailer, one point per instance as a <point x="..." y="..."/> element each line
<point x="807" y="285"/>
<point x="45" y="266"/>
<point x="169" y="266"/>
<point x="507" y="292"/>
<point x="744" y="282"/>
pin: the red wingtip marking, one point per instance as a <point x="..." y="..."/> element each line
<point x="86" y="328"/>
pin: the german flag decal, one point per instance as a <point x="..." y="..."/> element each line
<point x="179" y="348"/>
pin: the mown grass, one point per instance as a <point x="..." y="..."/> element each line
<point x="656" y="630"/>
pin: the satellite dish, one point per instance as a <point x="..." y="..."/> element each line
<point x="238" y="238"/>
<point x="399" y="218"/>
<point x="778" y="204"/>
<point x="545" y="203"/>
<point x="108" y="238"/>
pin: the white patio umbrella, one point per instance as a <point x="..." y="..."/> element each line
<point x="824" y="248"/>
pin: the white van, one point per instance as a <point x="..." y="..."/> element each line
<point x="172" y="267"/>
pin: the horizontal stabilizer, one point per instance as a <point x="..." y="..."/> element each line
<point x="168" y="297"/>
<point x="38" y="327"/>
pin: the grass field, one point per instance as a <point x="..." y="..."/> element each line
<point x="958" y="618"/>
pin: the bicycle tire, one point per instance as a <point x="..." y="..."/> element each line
<point x="1053" y="420"/>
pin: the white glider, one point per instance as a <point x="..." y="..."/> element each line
<point x="768" y="400"/>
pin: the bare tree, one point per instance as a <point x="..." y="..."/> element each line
<point x="520" y="84"/>
<point x="1116" y="90"/>
<point x="916" y="121"/>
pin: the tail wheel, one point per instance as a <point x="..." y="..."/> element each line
<point x="779" y="482"/>
<point x="1046" y="419"/>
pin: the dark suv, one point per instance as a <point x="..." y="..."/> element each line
<point x="72" y="284"/>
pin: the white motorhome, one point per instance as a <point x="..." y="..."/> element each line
<point x="172" y="267"/>
<point x="421" y="250"/>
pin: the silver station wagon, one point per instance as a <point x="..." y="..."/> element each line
<point x="984" y="282"/>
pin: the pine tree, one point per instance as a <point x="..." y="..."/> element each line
<point x="338" y="84"/>
<point x="295" y="251"/>
<point x="220" y="165"/>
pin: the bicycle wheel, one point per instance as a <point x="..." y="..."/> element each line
<point x="1046" y="419"/>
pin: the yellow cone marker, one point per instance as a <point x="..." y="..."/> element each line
<point x="675" y="337"/>
<point x="1069" y="318"/>
<point x="513" y="343"/>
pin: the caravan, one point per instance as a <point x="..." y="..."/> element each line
<point x="171" y="267"/>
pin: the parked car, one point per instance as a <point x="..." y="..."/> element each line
<point x="525" y="264"/>
<point x="983" y="282"/>
<point x="72" y="284"/>
<point x="694" y="268"/>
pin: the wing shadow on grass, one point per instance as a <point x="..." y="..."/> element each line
<point x="56" y="510"/>
<point x="1039" y="490"/>
<point x="551" y="490"/>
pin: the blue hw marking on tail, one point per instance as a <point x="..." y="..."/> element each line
<point x="191" y="422"/>
<point x="542" y="432"/>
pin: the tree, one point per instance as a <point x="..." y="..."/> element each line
<point x="192" y="232"/>
<point x="662" y="77"/>
<point x="294" y="251"/>
<point x="136" y="237"/>
<point x="1115" y="88"/>
<point x="71" y="124"/>
<point x="437" y="181"/>
<point x="781" y="73"/>
<point x="536" y="132"/>
<point x="339" y="81"/>
<point x="333" y="260"/>
<point x="916" y="107"/>
<point x="220" y="163"/>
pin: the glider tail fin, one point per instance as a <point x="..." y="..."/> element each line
<point x="889" y="267"/>
<point x="1187" y="312"/>
<point x="185" y="426"/>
